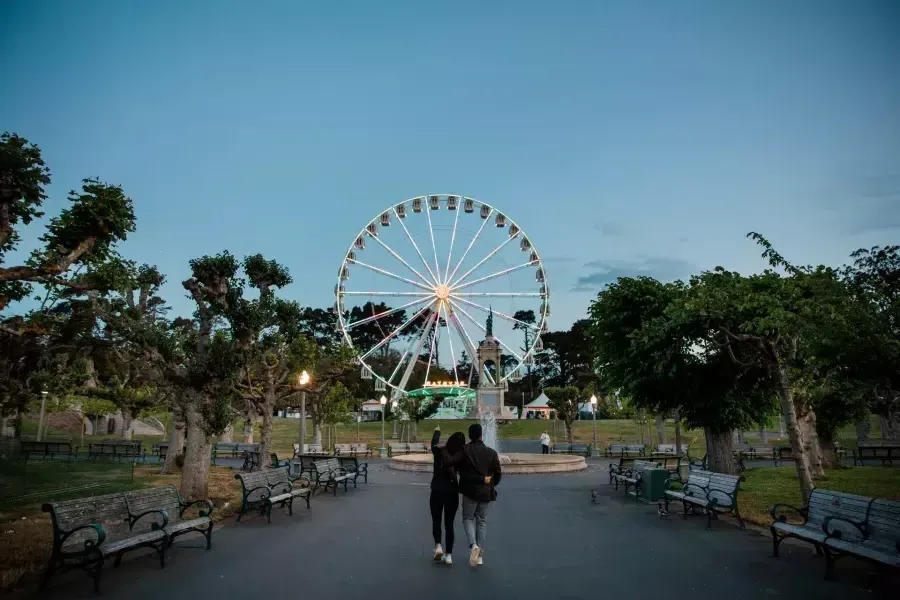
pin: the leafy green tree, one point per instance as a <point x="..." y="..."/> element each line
<point x="565" y="401"/>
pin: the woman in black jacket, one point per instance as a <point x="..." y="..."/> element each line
<point x="444" y="500"/>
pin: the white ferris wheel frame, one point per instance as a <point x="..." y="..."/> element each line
<point x="441" y="291"/>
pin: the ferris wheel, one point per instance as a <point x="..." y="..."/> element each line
<point x="429" y="280"/>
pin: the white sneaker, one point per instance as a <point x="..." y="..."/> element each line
<point x="447" y="560"/>
<point x="438" y="553"/>
<point x="481" y="561"/>
<point x="475" y="556"/>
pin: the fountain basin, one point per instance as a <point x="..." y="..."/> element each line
<point x="518" y="463"/>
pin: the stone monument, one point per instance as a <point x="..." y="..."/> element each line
<point x="489" y="396"/>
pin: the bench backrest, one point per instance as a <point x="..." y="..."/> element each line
<point x="643" y="465"/>
<point x="697" y="479"/>
<point x="879" y="444"/>
<point x="360" y="447"/>
<point x="247" y="448"/>
<point x="255" y="485"/>
<point x="343" y="448"/>
<point x="417" y="447"/>
<point x="278" y="479"/>
<point x="46" y="447"/>
<point x="619" y="448"/>
<point x="670" y="448"/>
<point x="827" y="503"/>
<point x="879" y="451"/>
<point x="723" y="488"/>
<point x="115" y="449"/>
<point x="155" y="498"/>
<point x="315" y="449"/>
<point x="108" y="510"/>
<point x="883" y="522"/>
<point x="398" y="446"/>
<point x="327" y="465"/>
<point x="226" y="446"/>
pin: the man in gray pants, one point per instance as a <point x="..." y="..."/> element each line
<point x="479" y="474"/>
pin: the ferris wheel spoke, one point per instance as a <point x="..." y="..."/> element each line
<point x="431" y="352"/>
<point x="498" y="313"/>
<point x="386" y="313"/>
<point x="437" y="266"/>
<point x="446" y="310"/>
<point x="416" y="246"/>
<point x="401" y="362"/>
<point x="346" y="293"/>
<point x="482" y="327"/>
<point x="452" y="240"/>
<point x="491" y="276"/>
<point x="472" y="243"/>
<point x="396" y="332"/>
<point x="501" y="294"/>
<point x="467" y="340"/>
<point x="389" y="274"/>
<point x="401" y="259"/>
<point x="481" y="262"/>
<point x="416" y="353"/>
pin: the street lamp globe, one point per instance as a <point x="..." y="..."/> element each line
<point x="303" y="378"/>
<point x="594" y="400"/>
<point x="383" y="400"/>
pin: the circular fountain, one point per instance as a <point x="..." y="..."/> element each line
<point x="510" y="463"/>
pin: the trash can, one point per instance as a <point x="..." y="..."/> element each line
<point x="653" y="484"/>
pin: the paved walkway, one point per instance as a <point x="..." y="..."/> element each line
<point x="545" y="541"/>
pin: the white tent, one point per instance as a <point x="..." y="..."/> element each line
<point x="541" y="401"/>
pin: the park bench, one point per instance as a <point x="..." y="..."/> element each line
<point x="116" y="450"/>
<point x="670" y="449"/>
<point x="779" y="455"/>
<point x="631" y="477"/>
<point x="702" y="464"/>
<point x="351" y="450"/>
<point x="330" y="474"/>
<point x="87" y="531"/>
<point x="252" y="460"/>
<point x="712" y="492"/>
<point x="876" y="539"/>
<point x="625" y="450"/>
<point x="396" y="448"/>
<point x="573" y="448"/>
<point x="311" y="450"/>
<point x="261" y="490"/>
<point x="351" y="464"/>
<point x="418" y="448"/>
<point x="167" y="499"/>
<point x="281" y="482"/>
<point x="225" y="450"/>
<point x="810" y="527"/>
<point x="42" y="450"/>
<point x="884" y="450"/>
<point x="753" y="451"/>
<point x="307" y="465"/>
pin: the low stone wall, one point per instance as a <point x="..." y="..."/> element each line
<point x="518" y="463"/>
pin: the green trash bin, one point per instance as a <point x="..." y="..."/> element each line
<point x="653" y="485"/>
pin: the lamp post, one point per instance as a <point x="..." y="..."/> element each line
<point x="40" y="433"/>
<point x="383" y="401"/>
<point x="303" y="381"/>
<point x="594" y="414"/>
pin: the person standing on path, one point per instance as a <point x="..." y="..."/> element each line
<point x="545" y="443"/>
<point x="479" y="475"/>
<point x="444" y="499"/>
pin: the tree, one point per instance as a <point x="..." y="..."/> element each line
<point x="568" y="358"/>
<point x="565" y="401"/>
<point x="369" y="334"/>
<point x="524" y="318"/>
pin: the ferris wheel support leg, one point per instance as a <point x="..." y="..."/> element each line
<point x="416" y="353"/>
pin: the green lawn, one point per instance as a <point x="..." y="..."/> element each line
<point x="778" y="485"/>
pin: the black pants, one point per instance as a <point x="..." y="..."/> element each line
<point x="545" y="449"/>
<point x="446" y="504"/>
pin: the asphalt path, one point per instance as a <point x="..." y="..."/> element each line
<point x="546" y="540"/>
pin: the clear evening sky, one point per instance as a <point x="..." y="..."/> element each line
<point x="625" y="137"/>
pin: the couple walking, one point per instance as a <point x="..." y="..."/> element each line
<point x="472" y="470"/>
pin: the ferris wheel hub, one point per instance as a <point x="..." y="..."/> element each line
<point x="442" y="292"/>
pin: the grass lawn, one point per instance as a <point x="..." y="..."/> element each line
<point x="778" y="485"/>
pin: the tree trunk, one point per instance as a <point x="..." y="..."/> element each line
<point x="228" y="434"/>
<point x="195" y="476"/>
<point x="265" y="437"/>
<point x="176" y="443"/>
<point x="864" y="429"/>
<point x="781" y="426"/>
<point x="248" y="431"/>
<point x="660" y="430"/>
<point x="719" y="456"/>
<point x="569" y="430"/>
<point x="739" y="436"/>
<point x="127" y="418"/>
<point x="317" y="433"/>
<point x="677" y="433"/>
<point x="890" y="426"/>
<point x="763" y="434"/>
<point x="806" y="420"/>
<point x="827" y="450"/>
<point x="786" y="399"/>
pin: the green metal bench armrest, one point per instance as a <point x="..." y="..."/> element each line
<point x="200" y="503"/>
<point x="837" y="533"/>
<point x="264" y="488"/>
<point x="133" y="519"/>
<point x="803" y="512"/>
<point x="88" y="544"/>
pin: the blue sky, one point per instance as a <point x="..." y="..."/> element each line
<point x="626" y="138"/>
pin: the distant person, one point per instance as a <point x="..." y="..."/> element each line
<point x="444" y="499"/>
<point x="479" y="475"/>
<point x="545" y="443"/>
